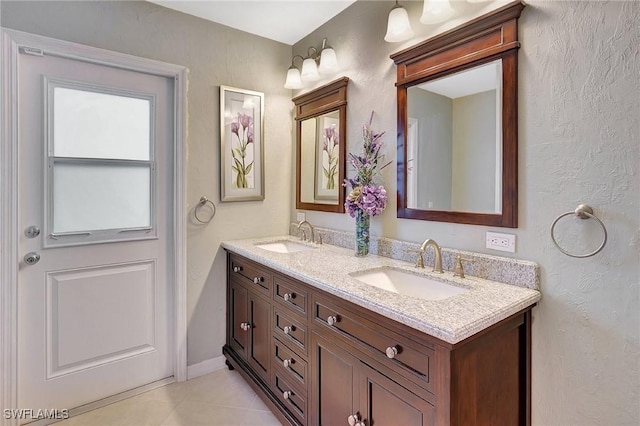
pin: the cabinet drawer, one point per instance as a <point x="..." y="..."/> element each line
<point x="405" y="356"/>
<point x="291" y="363"/>
<point x="290" y="330"/>
<point x="246" y="269"/>
<point x="291" y="295"/>
<point x="293" y="398"/>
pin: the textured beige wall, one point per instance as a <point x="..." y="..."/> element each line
<point x="215" y="55"/>
<point x="579" y="141"/>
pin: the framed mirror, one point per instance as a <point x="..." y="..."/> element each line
<point x="457" y="123"/>
<point x="321" y="117"/>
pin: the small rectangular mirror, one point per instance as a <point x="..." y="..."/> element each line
<point x="321" y="117"/>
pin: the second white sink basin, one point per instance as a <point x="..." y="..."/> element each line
<point x="285" y="246"/>
<point x="414" y="285"/>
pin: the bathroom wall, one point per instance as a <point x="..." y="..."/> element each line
<point x="579" y="141"/>
<point x="215" y="55"/>
<point x="435" y="117"/>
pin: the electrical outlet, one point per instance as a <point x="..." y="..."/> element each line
<point x="300" y="216"/>
<point x="501" y="242"/>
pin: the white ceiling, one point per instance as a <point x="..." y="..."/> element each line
<point x="476" y="80"/>
<point x="286" y="21"/>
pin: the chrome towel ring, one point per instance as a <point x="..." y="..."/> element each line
<point x="583" y="211"/>
<point x="204" y="200"/>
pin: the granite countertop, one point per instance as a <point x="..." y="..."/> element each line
<point x="453" y="319"/>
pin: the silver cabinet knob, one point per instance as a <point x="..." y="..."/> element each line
<point x="287" y="394"/>
<point x="353" y="419"/>
<point x="258" y="280"/>
<point x="237" y="269"/>
<point x="31" y="258"/>
<point x="331" y="320"/>
<point x="287" y="297"/>
<point x="245" y="326"/>
<point x="287" y="362"/>
<point x="392" y="351"/>
<point x="362" y="423"/>
<point x="287" y="329"/>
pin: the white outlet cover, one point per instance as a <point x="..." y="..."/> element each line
<point x="501" y="242"/>
<point x="300" y="216"/>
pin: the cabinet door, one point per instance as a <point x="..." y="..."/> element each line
<point x="238" y="319"/>
<point x="383" y="402"/>
<point x="334" y="389"/>
<point x="259" y="351"/>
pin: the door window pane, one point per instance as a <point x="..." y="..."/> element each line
<point x="100" y="196"/>
<point x="100" y="125"/>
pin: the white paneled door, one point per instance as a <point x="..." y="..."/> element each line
<point x="95" y="298"/>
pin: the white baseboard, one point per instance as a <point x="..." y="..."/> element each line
<point x="205" y="367"/>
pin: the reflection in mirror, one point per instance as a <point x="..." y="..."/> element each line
<point x="458" y="123"/>
<point x="454" y="142"/>
<point x="321" y="117"/>
<point x="319" y="157"/>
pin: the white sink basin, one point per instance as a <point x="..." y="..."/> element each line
<point x="285" y="246"/>
<point x="414" y="285"/>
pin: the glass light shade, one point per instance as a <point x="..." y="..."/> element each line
<point x="398" y="26"/>
<point x="435" y="11"/>
<point x="309" y="70"/>
<point x="328" y="61"/>
<point x="293" y="79"/>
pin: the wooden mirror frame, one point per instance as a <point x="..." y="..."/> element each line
<point x="328" y="98"/>
<point x="487" y="38"/>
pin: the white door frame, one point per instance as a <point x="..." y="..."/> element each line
<point x="11" y="43"/>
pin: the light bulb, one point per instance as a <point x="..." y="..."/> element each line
<point x="435" y="11"/>
<point x="309" y="70"/>
<point x="328" y="61"/>
<point x="293" y="79"/>
<point x="398" y="26"/>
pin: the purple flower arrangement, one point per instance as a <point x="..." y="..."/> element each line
<point x="367" y="194"/>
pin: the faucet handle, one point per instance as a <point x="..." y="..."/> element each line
<point x="319" y="238"/>
<point x="458" y="269"/>
<point x="304" y="235"/>
<point x="419" y="259"/>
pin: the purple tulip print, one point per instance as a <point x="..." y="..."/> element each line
<point x="331" y="141"/>
<point x="242" y="128"/>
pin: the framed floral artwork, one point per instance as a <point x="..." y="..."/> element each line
<point x="326" y="185"/>
<point x="241" y="144"/>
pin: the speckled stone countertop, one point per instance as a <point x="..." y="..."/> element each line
<point x="453" y="319"/>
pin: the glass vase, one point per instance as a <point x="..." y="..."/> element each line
<point x="362" y="233"/>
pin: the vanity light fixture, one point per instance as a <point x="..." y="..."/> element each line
<point x="398" y="25"/>
<point x="312" y="66"/>
<point x="435" y="11"/>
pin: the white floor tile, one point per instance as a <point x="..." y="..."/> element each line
<point x="221" y="398"/>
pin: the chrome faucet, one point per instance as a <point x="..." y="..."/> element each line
<point x="437" y="263"/>
<point x="304" y="235"/>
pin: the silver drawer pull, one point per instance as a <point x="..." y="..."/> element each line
<point x="288" y="329"/>
<point x="331" y="320"/>
<point x="287" y="394"/>
<point x="245" y="326"/>
<point x="287" y="362"/>
<point x="237" y="269"/>
<point x="392" y="351"/>
<point x="287" y="297"/>
<point x="258" y="280"/>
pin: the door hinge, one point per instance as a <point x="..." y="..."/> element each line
<point x="32" y="51"/>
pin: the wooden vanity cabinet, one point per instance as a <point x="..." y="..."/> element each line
<point x="330" y="362"/>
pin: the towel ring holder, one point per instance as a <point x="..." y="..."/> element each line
<point x="204" y="200"/>
<point x="583" y="211"/>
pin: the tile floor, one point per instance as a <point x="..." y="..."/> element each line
<point x="221" y="398"/>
